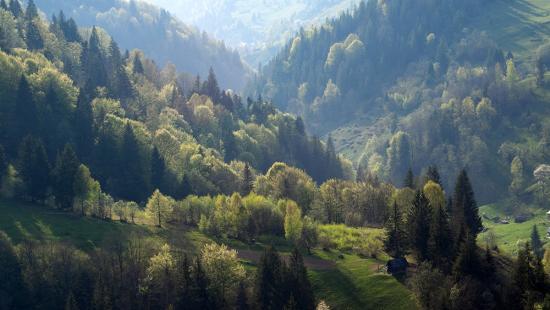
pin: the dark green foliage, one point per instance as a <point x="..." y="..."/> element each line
<point x="269" y="280"/>
<point x="31" y="12"/>
<point x="440" y="242"/>
<point x="13" y="292"/>
<point x="84" y="123"/>
<point x="242" y="298"/>
<point x="468" y="262"/>
<point x="158" y="169"/>
<point x="201" y="297"/>
<point x="529" y="283"/>
<point x="120" y="82"/>
<point x="15" y="8"/>
<point x="33" y="36"/>
<point x="418" y="226"/>
<point x="210" y="87"/>
<point x="3" y="162"/>
<point x="464" y="211"/>
<point x="26" y="111"/>
<point x="63" y="175"/>
<point x="34" y="168"/>
<point x="396" y="240"/>
<point x="138" y="65"/>
<point x="93" y="62"/>
<point x="134" y="179"/>
<point x="536" y="243"/>
<point x="298" y="283"/>
<point x="409" y="179"/>
<point x="432" y="175"/>
<point x="248" y="180"/>
<point x="4" y="5"/>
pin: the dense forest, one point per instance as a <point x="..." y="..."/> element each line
<point x="399" y="85"/>
<point x="193" y="175"/>
<point x="164" y="38"/>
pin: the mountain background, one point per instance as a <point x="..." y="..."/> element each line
<point x="140" y="25"/>
<point x="257" y="28"/>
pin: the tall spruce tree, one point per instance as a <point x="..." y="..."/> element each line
<point x="440" y="242"/>
<point x="464" y="210"/>
<point x="4" y="5"/>
<point x="536" y="243"/>
<point x="64" y="174"/>
<point x="93" y="62"/>
<point x="396" y="237"/>
<point x="298" y="283"/>
<point x="3" y="163"/>
<point x="409" y="179"/>
<point x="269" y="281"/>
<point x="468" y="262"/>
<point x="158" y="169"/>
<point x="137" y="67"/>
<point x="15" y="8"/>
<point x="248" y="180"/>
<point x="34" y="168"/>
<point x="134" y="183"/>
<point x="31" y="12"/>
<point x="418" y="224"/>
<point x="33" y="37"/>
<point x="211" y="87"/>
<point x="26" y="111"/>
<point x="84" y="122"/>
<point x="432" y="175"/>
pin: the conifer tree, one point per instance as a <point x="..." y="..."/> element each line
<point x="211" y="87"/>
<point x="418" y="224"/>
<point x="33" y="36"/>
<point x="440" y="242"/>
<point x="298" y="283"/>
<point x="63" y="174"/>
<point x="34" y="168"/>
<point x="138" y="65"/>
<point x="4" y="5"/>
<point x="536" y="243"/>
<point x="158" y="168"/>
<point x="242" y="298"/>
<point x="134" y="185"/>
<point x="15" y="8"/>
<point x="432" y="175"/>
<point x="200" y="295"/>
<point x="247" y="180"/>
<point x="464" y="209"/>
<point x="84" y="122"/>
<point x="269" y="281"/>
<point x="31" y="12"/>
<point x="409" y="179"/>
<point x="3" y="163"/>
<point x="468" y="262"/>
<point x="93" y="62"/>
<point x="396" y="240"/>
<point x="26" y="111"/>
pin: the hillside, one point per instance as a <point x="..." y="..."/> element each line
<point x="258" y="29"/>
<point x="138" y="25"/>
<point x="400" y="86"/>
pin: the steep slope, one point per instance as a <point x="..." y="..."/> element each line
<point x="257" y="28"/>
<point x="405" y="84"/>
<point x="166" y="39"/>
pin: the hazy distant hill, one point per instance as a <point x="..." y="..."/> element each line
<point x="258" y="28"/>
<point x="158" y="34"/>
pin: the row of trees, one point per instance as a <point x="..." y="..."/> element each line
<point x="147" y="276"/>
<point x="441" y="234"/>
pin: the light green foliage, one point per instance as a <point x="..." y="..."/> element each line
<point x="434" y="194"/>
<point x="160" y="208"/>
<point x="364" y="241"/>
<point x="223" y="269"/>
<point x="293" y="221"/>
<point x="84" y="187"/>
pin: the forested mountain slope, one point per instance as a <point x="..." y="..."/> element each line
<point x="136" y="24"/>
<point x="400" y="84"/>
<point x="257" y="28"/>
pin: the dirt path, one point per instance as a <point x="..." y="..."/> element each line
<point x="310" y="262"/>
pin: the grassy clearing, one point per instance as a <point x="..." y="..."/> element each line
<point x="508" y="236"/>
<point x="519" y="26"/>
<point x="356" y="284"/>
<point x="27" y="221"/>
<point x="363" y="241"/>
